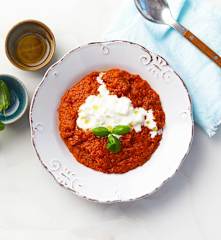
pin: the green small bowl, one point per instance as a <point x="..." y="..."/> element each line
<point x="19" y="99"/>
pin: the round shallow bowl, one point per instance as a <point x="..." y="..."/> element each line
<point x="85" y="182"/>
<point x="24" y="28"/>
<point x="19" y="99"/>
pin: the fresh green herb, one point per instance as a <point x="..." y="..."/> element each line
<point x="113" y="144"/>
<point x="155" y="129"/>
<point x="2" y="126"/>
<point x="100" y="131"/>
<point x="4" y="97"/>
<point x="121" y="130"/>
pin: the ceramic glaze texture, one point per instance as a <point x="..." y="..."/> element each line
<point x="18" y="99"/>
<point x="88" y="183"/>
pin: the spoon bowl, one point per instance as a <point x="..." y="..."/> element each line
<point x="157" y="11"/>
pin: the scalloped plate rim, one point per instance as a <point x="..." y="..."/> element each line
<point x="32" y="130"/>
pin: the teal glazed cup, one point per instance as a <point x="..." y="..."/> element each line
<point x="18" y="99"/>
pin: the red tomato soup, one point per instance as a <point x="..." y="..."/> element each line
<point x="91" y="150"/>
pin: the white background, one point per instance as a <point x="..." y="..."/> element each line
<point x="33" y="206"/>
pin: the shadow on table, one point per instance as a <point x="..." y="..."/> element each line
<point x="217" y="138"/>
<point x="18" y="128"/>
<point x="40" y="73"/>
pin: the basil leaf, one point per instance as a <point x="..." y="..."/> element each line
<point x="121" y="130"/>
<point x="100" y="131"/>
<point x="113" y="144"/>
<point x="2" y="126"/>
<point x="4" y="97"/>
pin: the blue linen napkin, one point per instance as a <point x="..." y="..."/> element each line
<point x="201" y="75"/>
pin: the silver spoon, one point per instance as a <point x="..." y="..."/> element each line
<point x="158" y="11"/>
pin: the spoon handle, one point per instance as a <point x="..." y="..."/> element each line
<point x="202" y="47"/>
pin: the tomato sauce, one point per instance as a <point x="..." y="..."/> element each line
<point x="137" y="147"/>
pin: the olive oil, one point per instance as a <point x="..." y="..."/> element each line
<point x="31" y="49"/>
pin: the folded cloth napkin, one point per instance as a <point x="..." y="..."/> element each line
<point x="201" y="75"/>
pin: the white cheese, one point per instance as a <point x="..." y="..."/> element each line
<point x="105" y="110"/>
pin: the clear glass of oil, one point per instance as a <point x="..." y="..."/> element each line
<point x="32" y="49"/>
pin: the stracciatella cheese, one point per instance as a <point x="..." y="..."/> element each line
<point x="105" y="110"/>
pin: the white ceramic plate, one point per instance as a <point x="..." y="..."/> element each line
<point x="84" y="181"/>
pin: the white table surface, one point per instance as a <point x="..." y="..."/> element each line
<point x="33" y="206"/>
